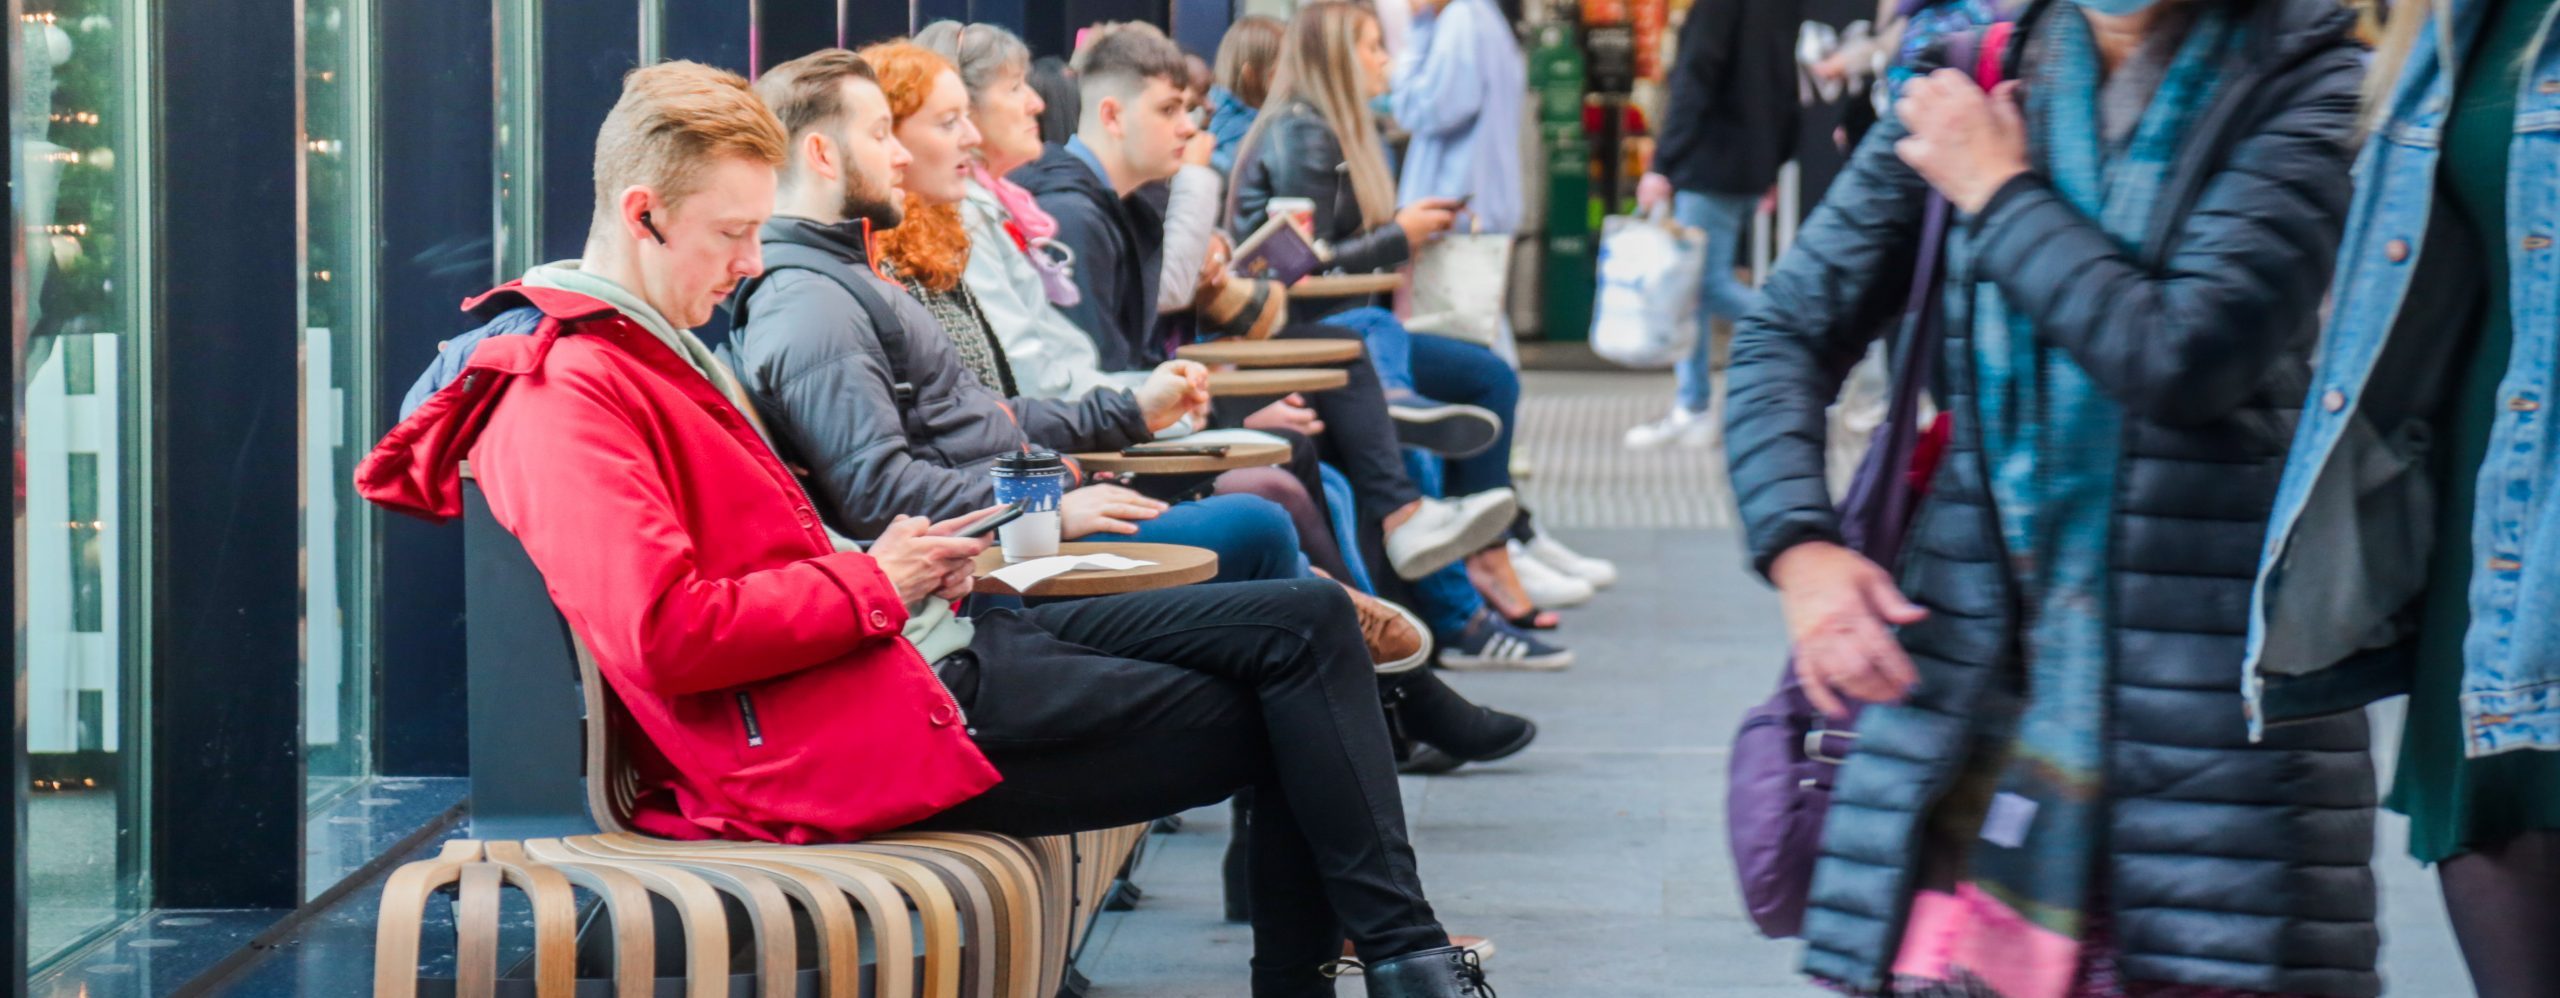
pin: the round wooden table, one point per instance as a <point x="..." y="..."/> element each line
<point x="1175" y="565"/>
<point x="1345" y="285"/>
<point x="1273" y="382"/>
<point x="1272" y="353"/>
<point x="1238" y="456"/>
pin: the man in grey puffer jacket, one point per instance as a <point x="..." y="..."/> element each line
<point x="819" y="370"/>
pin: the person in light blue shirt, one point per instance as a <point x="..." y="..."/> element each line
<point x="1459" y="84"/>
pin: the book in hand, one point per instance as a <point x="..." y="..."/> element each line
<point x="1278" y="251"/>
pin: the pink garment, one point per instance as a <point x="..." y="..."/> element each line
<point x="1034" y="230"/>
<point x="1972" y="934"/>
<point x="1970" y="944"/>
<point x="1017" y="202"/>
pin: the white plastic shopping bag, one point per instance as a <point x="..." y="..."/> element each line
<point x="1646" y="314"/>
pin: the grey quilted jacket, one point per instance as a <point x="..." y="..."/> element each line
<point x="816" y="367"/>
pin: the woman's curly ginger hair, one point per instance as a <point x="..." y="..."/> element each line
<point x="932" y="244"/>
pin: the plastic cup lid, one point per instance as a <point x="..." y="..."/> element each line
<point x="1030" y="462"/>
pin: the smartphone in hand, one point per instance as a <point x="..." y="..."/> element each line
<point x="987" y="525"/>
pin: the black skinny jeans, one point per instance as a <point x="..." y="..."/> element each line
<point x="1079" y="707"/>
<point x="1359" y="436"/>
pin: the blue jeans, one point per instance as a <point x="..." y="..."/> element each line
<point x="1443" y="370"/>
<point x="1252" y="536"/>
<point x="1339" y="505"/>
<point x="1723" y="218"/>
<point x="1390" y="345"/>
<point x="1449" y="370"/>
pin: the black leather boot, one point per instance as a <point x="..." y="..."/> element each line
<point x="1236" y="872"/>
<point x="1432" y="713"/>
<point x="1447" y="972"/>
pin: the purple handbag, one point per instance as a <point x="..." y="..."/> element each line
<point x="1786" y="752"/>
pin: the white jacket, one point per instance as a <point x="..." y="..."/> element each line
<point x="1190" y="218"/>
<point x="1052" y="357"/>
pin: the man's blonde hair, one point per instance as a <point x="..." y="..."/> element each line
<point x="674" y="119"/>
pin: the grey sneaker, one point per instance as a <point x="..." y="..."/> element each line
<point x="1444" y="428"/>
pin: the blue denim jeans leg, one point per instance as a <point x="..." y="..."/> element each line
<point x="1252" y="536"/>
<point x="1449" y="370"/>
<point x="1723" y="217"/>
<point x="1390" y="344"/>
<point x="1340" y="505"/>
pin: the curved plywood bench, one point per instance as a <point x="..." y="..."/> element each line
<point x="932" y="914"/>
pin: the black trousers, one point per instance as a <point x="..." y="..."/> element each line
<point x="1118" y="710"/>
<point x="1359" y="436"/>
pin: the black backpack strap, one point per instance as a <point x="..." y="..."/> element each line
<point x="885" y="324"/>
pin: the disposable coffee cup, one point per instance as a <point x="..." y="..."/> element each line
<point x="1037" y="479"/>
<point x="1301" y="209"/>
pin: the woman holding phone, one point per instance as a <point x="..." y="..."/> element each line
<point x="1317" y="141"/>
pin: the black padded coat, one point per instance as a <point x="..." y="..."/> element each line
<point x="2225" y="863"/>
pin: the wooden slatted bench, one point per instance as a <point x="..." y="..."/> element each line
<point x="940" y="914"/>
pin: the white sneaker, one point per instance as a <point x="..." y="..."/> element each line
<point x="1445" y="530"/>
<point x="1548" y="551"/>
<point x="1681" y="428"/>
<point x="1546" y="586"/>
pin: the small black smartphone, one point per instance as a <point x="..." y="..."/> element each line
<point x="1012" y="511"/>
<point x="1174" y="450"/>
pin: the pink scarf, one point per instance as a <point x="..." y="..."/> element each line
<point x="1017" y="202"/>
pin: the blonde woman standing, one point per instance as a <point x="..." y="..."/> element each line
<point x="2437" y="364"/>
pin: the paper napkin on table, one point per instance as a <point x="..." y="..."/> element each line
<point x="1022" y="575"/>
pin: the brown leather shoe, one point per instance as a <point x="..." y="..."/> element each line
<point x="1398" y="641"/>
<point x="1481" y="946"/>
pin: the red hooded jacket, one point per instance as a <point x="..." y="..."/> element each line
<point x="775" y="698"/>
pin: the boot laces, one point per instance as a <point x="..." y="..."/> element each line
<point x="1471" y="973"/>
<point x="1470" y="969"/>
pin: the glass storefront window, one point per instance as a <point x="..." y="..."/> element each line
<point x="337" y="400"/>
<point x="78" y="123"/>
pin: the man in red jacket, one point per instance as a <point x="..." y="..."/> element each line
<point x="768" y="665"/>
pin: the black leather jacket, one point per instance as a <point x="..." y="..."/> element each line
<point x="1297" y="156"/>
<point x="2230" y="863"/>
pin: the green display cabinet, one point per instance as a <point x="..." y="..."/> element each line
<point x="1570" y="272"/>
<point x="1556" y="70"/>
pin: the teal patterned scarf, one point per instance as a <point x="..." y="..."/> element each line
<point x="2050" y="438"/>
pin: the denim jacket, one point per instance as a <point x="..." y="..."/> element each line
<point x="2334" y="610"/>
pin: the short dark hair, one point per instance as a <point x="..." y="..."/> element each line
<point x="809" y="91"/>
<point x="1120" y="59"/>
